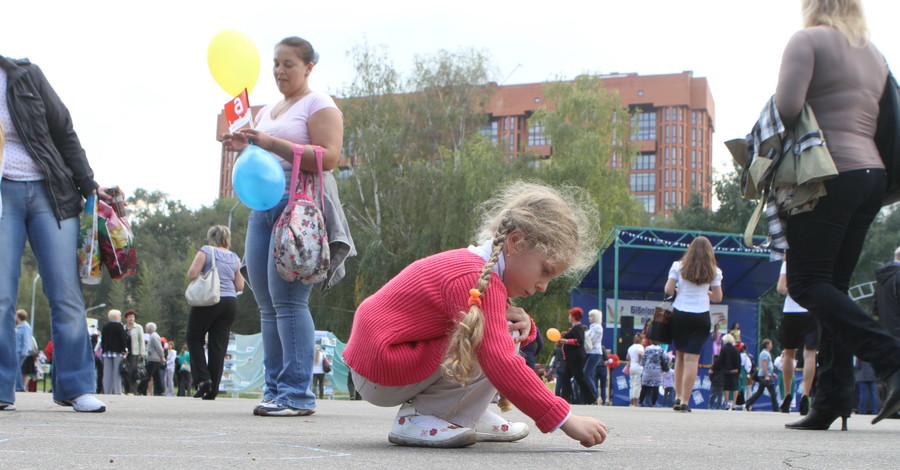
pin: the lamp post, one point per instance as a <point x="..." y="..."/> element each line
<point x="232" y="212"/>
<point x="33" y="292"/>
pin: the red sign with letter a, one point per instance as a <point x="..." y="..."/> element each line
<point x="237" y="112"/>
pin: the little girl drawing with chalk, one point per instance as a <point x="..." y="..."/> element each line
<point x="436" y="340"/>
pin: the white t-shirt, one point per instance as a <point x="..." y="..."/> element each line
<point x="634" y="356"/>
<point x="790" y="305"/>
<point x="692" y="298"/>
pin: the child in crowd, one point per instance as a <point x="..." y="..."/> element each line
<point x="436" y="340"/>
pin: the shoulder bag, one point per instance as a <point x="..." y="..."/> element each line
<point x="660" y="331"/>
<point x="301" y="240"/>
<point x="204" y="291"/>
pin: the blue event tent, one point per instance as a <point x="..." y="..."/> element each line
<point x="632" y="269"/>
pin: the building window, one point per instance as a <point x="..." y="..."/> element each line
<point x="645" y="123"/>
<point x="491" y="131"/>
<point x="644" y="161"/>
<point x="693" y="181"/>
<point x="512" y="143"/>
<point x="536" y="134"/>
<point x="648" y="201"/>
<point x="511" y="123"/>
<point x="694" y="117"/>
<point x="694" y="137"/>
<point x="641" y="182"/>
<point x="693" y="159"/>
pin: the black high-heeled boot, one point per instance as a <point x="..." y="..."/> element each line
<point x="786" y="404"/>
<point x="891" y="403"/>
<point x="817" y="421"/>
<point x="804" y="405"/>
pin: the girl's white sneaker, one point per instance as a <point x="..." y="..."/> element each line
<point x="412" y="429"/>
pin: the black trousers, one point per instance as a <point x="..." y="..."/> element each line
<point x="825" y="245"/>
<point x="764" y="385"/>
<point x="214" y="321"/>
<point x="575" y="370"/>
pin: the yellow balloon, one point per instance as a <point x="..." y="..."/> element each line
<point x="233" y="61"/>
<point x="553" y="334"/>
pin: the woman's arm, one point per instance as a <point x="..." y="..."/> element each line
<point x="238" y="280"/>
<point x="782" y="285"/>
<point x="715" y="294"/>
<point x="797" y="64"/>
<point x="670" y="287"/>
<point x="197" y="265"/>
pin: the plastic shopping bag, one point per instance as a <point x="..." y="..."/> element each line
<point x="117" y="251"/>
<point x="88" y="244"/>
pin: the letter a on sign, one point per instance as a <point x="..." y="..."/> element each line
<point x="237" y="112"/>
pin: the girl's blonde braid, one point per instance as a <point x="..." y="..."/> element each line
<point x="461" y="363"/>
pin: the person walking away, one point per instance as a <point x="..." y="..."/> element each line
<point x="832" y="66"/>
<point x="652" y="375"/>
<point x="213" y="322"/>
<point x="697" y="281"/>
<point x="731" y="367"/>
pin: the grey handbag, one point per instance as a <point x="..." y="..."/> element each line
<point x="204" y="291"/>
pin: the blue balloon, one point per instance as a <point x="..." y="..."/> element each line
<point x="258" y="179"/>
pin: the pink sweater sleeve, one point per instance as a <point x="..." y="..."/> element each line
<point x="506" y="370"/>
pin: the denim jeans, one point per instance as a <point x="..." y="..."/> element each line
<point x="590" y="371"/>
<point x="868" y="402"/>
<point x="763" y="385"/>
<point x="825" y="245"/>
<point x="288" y="331"/>
<point x="28" y="214"/>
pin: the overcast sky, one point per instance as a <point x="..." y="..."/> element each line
<point x="144" y="104"/>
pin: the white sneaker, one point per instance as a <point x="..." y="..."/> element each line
<point x="412" y="429"/>
<point x="6" y="406"/>
<point x="494" y="428"/>
<point x="84" y="404"/>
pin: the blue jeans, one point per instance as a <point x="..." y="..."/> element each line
<point x="28" y="214"/>
<point x="868" y="403"/>
<point x="590" y="371"/>
<point x="287" y="327"/>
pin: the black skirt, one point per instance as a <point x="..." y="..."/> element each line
<point x="689" y="331"/>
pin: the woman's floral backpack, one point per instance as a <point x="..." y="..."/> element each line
<point x="301" y="241"/>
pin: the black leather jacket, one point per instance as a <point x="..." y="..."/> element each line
<point x="45" y="128"/>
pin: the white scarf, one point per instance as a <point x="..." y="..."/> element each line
<point x="484" y="251"/>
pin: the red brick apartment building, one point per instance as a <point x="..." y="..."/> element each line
<point x="674" y="134"/>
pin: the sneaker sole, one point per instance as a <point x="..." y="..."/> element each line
<point x="461" y="440"/>
<point x="490" y="437"/>
<point x="98" y="410"/>
<point x="283" y="414"/>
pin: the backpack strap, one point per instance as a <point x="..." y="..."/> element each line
<point x="295" y="172"/>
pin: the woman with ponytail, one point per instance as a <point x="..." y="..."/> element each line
<point x="436" y="340"/>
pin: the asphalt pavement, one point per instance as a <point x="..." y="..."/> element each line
<point x="175" y="432"/>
